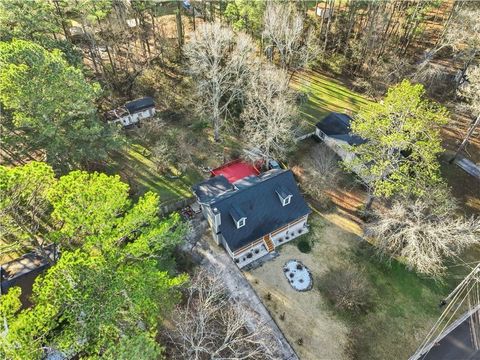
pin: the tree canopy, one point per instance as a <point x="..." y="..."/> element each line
<point x="111" y="287"/>
<point x="88" y="204"/>
<point x="422" y="234"/>
<point x="402" y="142"/>
<point x="89" y="304"/>
<point x="49" y="107"/>
<point x="30" y="20"/>
<point x="218" y="60"/>
<point x="269" y="112"/>
<point x="246" y="15"/>
<point x="24" y="206"/>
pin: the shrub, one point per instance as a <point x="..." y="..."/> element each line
<point x="162" y="156"/>
<point x="347" y="289"/>
<point x="337" y="63"/>
<point x="150" y="131"/>
<point x="304" y="246"/>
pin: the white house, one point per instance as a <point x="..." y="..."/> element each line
<point x="132" y="112"/>
<point x="252" y="216"/>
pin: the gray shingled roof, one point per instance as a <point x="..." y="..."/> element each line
<point x="140" y="104"/>
<point x="261" y="206"/>
<point x="212" y="188"/>
<point x="337" y="125"/>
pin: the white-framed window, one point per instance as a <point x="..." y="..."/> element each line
<point x="287" y="200"/>
<point x="241" y="223"/>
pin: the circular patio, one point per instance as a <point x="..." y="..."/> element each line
<point x="298" y="275"/>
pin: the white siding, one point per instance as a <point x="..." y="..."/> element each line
<point x="341" y="148"/>
<point x="136" y="117"/>
<point x="291" y="232"/>
<point x="255" y="253"/>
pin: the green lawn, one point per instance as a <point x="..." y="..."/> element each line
<point x="405" y="306"/>
<point x="135" y="168"/>
<point x="325" y="94"/>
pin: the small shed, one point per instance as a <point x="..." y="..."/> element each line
<point x="337" y="126"/>
<point x="334" y="130"/>
<point x="132" y="112"/>
<point x="140" y="105"/>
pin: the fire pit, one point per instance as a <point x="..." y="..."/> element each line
<point x="298" y="275"/>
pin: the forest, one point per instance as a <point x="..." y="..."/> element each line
<point x="233" y="79"/>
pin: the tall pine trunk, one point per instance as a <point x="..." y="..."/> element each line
<point x="369" y="203"/>
<point x="464" y="143"/>
<point x="179" y="25"/>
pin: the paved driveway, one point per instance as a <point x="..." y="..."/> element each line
<point x="215" y="257"/>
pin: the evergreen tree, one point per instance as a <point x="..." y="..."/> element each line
<point x="105" y="296"/>
<point x="49" y="107"/>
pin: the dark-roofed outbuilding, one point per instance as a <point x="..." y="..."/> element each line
<point x="337" y="126"/>
<point x="140" y="105"/>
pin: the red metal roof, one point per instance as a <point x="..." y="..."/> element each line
<point x="235" y="170"/>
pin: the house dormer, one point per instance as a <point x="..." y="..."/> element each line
<point x="238" y="216"/>
<point x="284" y="195"/>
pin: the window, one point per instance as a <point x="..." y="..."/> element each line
<point x="238" y="216"/>
<point x="284" y="195"/>
<point x="286" y="201"/>
<point x="241" y="223"/>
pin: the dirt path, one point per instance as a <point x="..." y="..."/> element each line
<point x="216" y="257"/>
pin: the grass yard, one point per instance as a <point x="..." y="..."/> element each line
<point x="325" y="95"/>
<point x="404" y="305"/>
<point x="137" y="170"/>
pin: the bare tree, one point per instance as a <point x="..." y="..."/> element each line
<point x="210" y="325"/>
<point x="285" y="29"/>
<point x="422" y="235"/>
<point x="462" y="36"/>
<point x="269" y="112"/>
<point x="219" y="63"/>
<point x="347" y="288"/>
<point x="321" y="173"/>
<point x="471" y="92"/>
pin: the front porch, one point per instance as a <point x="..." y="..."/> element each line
<point x="268" y="243"/>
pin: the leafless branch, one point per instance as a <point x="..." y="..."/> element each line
<point x="210" y="325"/>
<point x="269" y="112"/>
<point x="218" y="62"/>
<point x="422" y="236"/>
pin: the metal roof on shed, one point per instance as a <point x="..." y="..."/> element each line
<point x="139" y="104"/>
<point x="337" y="126"/>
